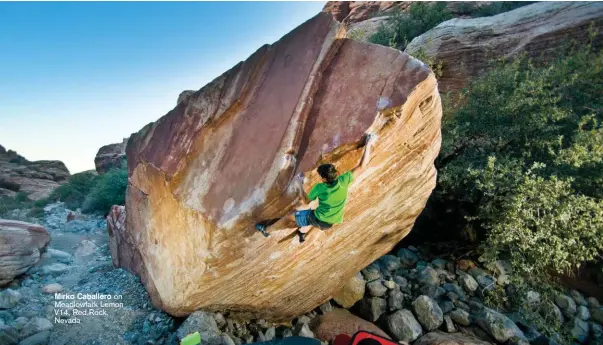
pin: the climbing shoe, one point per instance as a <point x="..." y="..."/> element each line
<point x="302" y="236"/>
<point x="262" y="228"/>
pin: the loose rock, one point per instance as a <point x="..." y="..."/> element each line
<point x="52" y="288"/>
<point x="468" y="282"/>
<point x="351" y="292"/>
<point x="407" y="258"/>
<point x="37" y="339"/>
<point x="54" y="269"/>
<point x="9" y="298"/>
<point x="395" y="300"/>
<point x="428" y="276"/>
<point x="497" y="325"/>
<point x="566" y="304"/>
<point x="389" y="263"/>
<point x="372" y="308"/>
<point x="460" y="317"/>
<point x="428" y="312"/>
<point x="376" y="288"/>
<point x="448" y="324"/>
<point x="579" y="330"/>
<point x="403" y="325"/>
<point x="593" y="302"/>
<point x="583" y="313"/>
<point x="578" y="298"/>
<point x="35" y="325"/>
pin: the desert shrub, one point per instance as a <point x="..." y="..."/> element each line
<point x="19" y="201"/>
<point x="74" y="192"/>
<point x="495" y="7"/>
<point x="402" y="27"/>
<point x="522" y="162"/>
<point x="9" y="185"/>
<point x="109" y="190"/>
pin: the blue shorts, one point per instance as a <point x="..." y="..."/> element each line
<point x="307" y="217"/>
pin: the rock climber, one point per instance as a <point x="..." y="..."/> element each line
<point x="331" y="193"/>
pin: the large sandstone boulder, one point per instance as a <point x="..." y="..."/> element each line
<point x="223" y="159"/>
<point x="37" y="179"/>
<point x="110" y="156"/>
<point x="466" y="46"/>
<point x="20" y="247"/>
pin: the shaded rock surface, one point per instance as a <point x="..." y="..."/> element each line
<point x="20" y="247"/>
<point x="110" y="156"/>
<point x="341" y="321"/>
<point x="466" y="46"/>
<point x="201" y="176"/>
<point x="351" y="292"/>
<point x="37" y="179"/>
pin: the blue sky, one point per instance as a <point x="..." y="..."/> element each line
<point x="77" y="76"/>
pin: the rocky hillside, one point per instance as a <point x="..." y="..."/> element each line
<point x="37" y="179"/>
<point x="465" y="47"/>
<point x="110" y="156"/>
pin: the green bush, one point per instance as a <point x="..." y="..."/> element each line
<point x="74" y="192"/>
<point x="110" y="189"/>
<point x="522" y="162"/>
<point x="19" y="201"/>
<point x="402" y="27"/>
<point x="496" y="7"/>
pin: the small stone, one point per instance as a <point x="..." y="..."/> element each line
<point x="403" y="326"/>
<point x="446" y="306"/>
<point x="9" y="298"/>
<point x="372" y="308"/>
<point x="390" y="284"/>
<point x="462" y="305"/>
<point x="20" y="322"/>
<point x="579" y="330"/>
<point x="460" y="317"/>
<point x="583" y="313"/>
<point x="566" y="304"/>
<point x="304" y="331"/>
<point x="220" y="320"/>
<point x="325" y="307"/>
<point x="484" y="280"/>
<point x="468" y="282"/>
<point x="41" y="338"/>
<point x="376" y="288"/>
<point x="448" y="324"/>
<point x="54" y="269"/>
<point x="498" y="325"/>
<point x="407" y="257"/>
<point x="401" y="281"/>
<point x="52" y="288"/>
<point x="593" y="303"/>
<point x="389" y="263"/>
<point x="465" y="265"/>
<point x="428" y="276"/>
<point x="596" y="330"/>
<point x="351" y="292"/>
<point x="578" y="298"/>
<point x="9" y="336"/>
<point x="428" y="312"/>
<point x="439" y="263"/>
<point x="432" y="291"/>
<point x="227" y="340"/>
<point x="270" y="333"/>
<point x="304" y="320"/>
<point x="371" y="273"/>
<point x="597" y="314"/>
<point x="456" y="289"/>
<point x="395" y="300"/>
<point x="551" y="312"/>
<point x="287" y="333"/>
<point x="35" y="325"/>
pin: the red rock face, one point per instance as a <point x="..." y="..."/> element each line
<point x="20" y="247"/>
<point x="110" y="156"/>
<point x="202" y="175"/>
<point x="465" y="47"/>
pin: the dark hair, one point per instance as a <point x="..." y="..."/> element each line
<point x="328" y="172"/>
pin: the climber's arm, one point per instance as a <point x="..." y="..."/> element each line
<point x="366" y="154"/>
<point x="299" y="179"/>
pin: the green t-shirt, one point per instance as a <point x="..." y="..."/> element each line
<point x="331" y="199"/>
